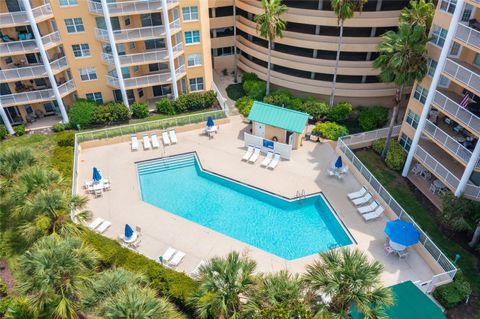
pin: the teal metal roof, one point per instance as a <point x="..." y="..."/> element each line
<point x="281" y="117"/>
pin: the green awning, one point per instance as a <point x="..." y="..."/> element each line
<point x="411" y="303"/>
<point x="281" y="117"/>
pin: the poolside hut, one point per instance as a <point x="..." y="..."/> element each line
<point x="278" y="124"/>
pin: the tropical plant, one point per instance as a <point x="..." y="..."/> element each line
<point x="244" y="105"/>
<point x="14" y="159"/>
<point x="112" y="112"/>
<point x="255" y="89"/>
<point x="339" y="112"/>
<point x="222" y="282"/>
<point x="165" y="106"/>
<point x="330" y="130"/>
<point x="82" y="113"/>
<point x="344" y="9"/>
<point x="402" y="60"/>
<point x="419" y="12"/>
<point x="270" y="26"/>
<point x="344" y="278"/>
<point x="52" y="273"/>
<point x="372" y="118"/>
<point x="139" y="110"/>
<point x="3" y="132"/>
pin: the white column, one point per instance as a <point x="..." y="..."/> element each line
<point x="116" y="60"/>
<point x="433" y="87"/>
<point x="6" y="121"/>
<point x="46" y="62"/>
<point x="468" y="171"/>
<point x="171" y="61"/>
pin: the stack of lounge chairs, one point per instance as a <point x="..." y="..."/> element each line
<point x="152" y="141"/>
<point x="361" y="199"/>
<point x="172" y="257"/>
<point x="252" y="154"/>
<point x="99" y="225"/>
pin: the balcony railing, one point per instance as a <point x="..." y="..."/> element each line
<point x="142" y="58"/>
<point x="146" y="80"/>
<point x="32" y="71"/>
<point x="28" y="46"/>
<point x="462" y="74"/>
<point x="127" y="35"/>
<point x="129" y="7"/>
<point x="468" y="35"/>
<point x="36" y="96"/>
<point x="455" y="110"/>
<point x="21" y="18"/>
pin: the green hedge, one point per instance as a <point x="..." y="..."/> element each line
<point x="62" y="161"/>
<point x="58" y="127"/>
<point x="244" y="105"/>
<point x="82" y="113"/>
<point x="451" y="294"/>
<point x="235" y="91"/>
<point x="187" y="103"/>
<point x="396" y="155"/>
<point x="371" y="118"/>
<point x="139" y="110"/>
<point x="255" y="89"/>
<point x="112" y="112"/>
<point x="330" y="130"/>
<point x="175" y="285"/>
<point x="19" y="130"/>
<point x="65" y="138"/>
<point x="339" y="112"/>
<point x="249" y="76"/>
<point x="165" y="106"/>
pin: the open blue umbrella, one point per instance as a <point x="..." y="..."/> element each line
<point x="97" y="177"/>
<point x="210" y="122"/>
<point x="401" y="232"/>
<point x="339" y="163"/>
<point x="128" y="231"/>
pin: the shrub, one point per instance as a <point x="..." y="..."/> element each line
<point x="330" y="130"/>
<point x="339" y="112"/>
<point x="284" y="98"/>
<point x="244" y="105"/>
<point x="235" y="91"/>
<point x="249" y="77"/>
<point x="372" y="118"/>
<point x="65" y="139"/>
<point x="19" y="130"/>
<point x="58" y="127"/>
<point x="3" y="288"/>
<point x="3" y="132"/>
<point x="139" y="110"/>
<point x="112" y="112"/>
<point x="315" y="108"/>
<point x="4" y="305"/>
<point x="82" y="113"/>
<point x="62" y="161"/>
<point x="396" y="155"/>
<point x="255" y="89"/>
<point x="165" y="106"/>
<point x="453" y="293"/>
<point x="195" y="101"/>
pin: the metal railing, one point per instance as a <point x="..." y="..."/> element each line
<point x="456" y="111"/>
<point x="36" y="96"/>
<point x="28" y="46"/>
<point x="462" y="74"/>
<point x="136" y="33"/>
<point x="129" y="7"/>
<point x="468" y="35"/>
<point x="343" y="146"/>
<point x="142" y="58"/>
<point x="21" y="18"/>
<point x="32" y="71"/>
<point x="146" y="80"/>
<point x="221" y="100"/>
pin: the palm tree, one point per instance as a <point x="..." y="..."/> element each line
<point x="52" y="274"/>
<point x="344" y="278"/>
<point x="13" y="159"/>
<point x="402" y="60"/>
<point x="222" y="283"/>
<point x="270" y="26"/>
<point x="344" y="9"/>
<point x="419" y="12"/>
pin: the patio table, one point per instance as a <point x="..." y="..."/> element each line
<point x="131" y="239"/>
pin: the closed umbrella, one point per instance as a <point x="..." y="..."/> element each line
<point x="97" y="177"/>
<point x="339" y="163"/>
<point x="401" y="234"/>
<point x="210" y="122"/>
<point x="128" y="231"/>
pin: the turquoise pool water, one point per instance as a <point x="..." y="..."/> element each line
<point x="288" y="229"/>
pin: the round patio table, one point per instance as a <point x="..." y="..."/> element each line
<point x="438" y="184"/>
<point x="397" y="247"/>
<point x="131" y="239"/>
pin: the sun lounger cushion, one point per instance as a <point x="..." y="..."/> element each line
<point x="375" y="214"/>
<point x="267" y="159"/>
<point x="367" y="209"/>
<point x="248" y="154"/>
<point x="168" y="254"/>
<point x="177" y="259"/>
<point x="254" y="156"/>
<point x="96" y="223"/>
<point x="155" y="143"/>
<point x="196" y="271"/>
<point x="166" y="140"/>
<point x="134" y="143"/>
<point x="173" y="136"/>
<point x="274" y="162"/>
<point x="357" y="194"/>
<point x="104" y="226"/>
<point x="146" y="142"/>
<point x="362" y="200"/>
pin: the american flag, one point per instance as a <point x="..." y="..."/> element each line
<point x="465" y="99"/>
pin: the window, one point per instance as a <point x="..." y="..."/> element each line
<point x="68" y="3"/>
<point x="192" y="37"/>
<point x="127" y="20"/>
<point x="467" y="13"/>
<point x="223" y="51"/>
<point x="131" y="45"/>
<point x="476" y="61"/>
<point x="190" y="13"/>
<point x="95" y="97"/>
<point x="455" y="49"/>
<point x="154" y="44"/>
<point x="74" y="25"/>
<point x="443" y="82"/>
<point x="431" y="66"/>
<point x="157" y="67"/>
<point x="196" y="84"/>
<point x="412" y="118"/>
<point x="194" y="60"/>
<point x="420" y="94"/>
<point x="88" y="74"/>
<point x="448" y="5"/>
<point x="140" y="92"/>
<point x="81" y="50"/>
<point x="136" y="68"/>
<point x="438" y="36"/>
<point x="405" y="142"/>
<point x="151" y="19"/>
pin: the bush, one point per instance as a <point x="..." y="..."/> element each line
<point x="165" y="106"/>
<point x="3" y="288"/>
<point x="65" y="139"/>
<point x="339" y="112"/>
<point x="195" y="101"/>
<point x="235" y="91"/>
<point x="330" y="130"/>
<point x="112" y="112"/>
<point x="453" y="293"/>
<point x="284" y="98"/>
<point x="315" y="108"/>
<point x="3" y="132"/>
<point x="372" y="118"/>
<point x="58" y="127"/>
<point x="139" y="110"/>
<point x="4" y="305"/>
<point x="249" y="77"/>
<point x="396" y="155"/>
<point x="255" y="89"/>
<point x="62" y="160"/>
<point x="82" y="113"/>
<point x="19" y="130"/>
<point x="244" y="105"/>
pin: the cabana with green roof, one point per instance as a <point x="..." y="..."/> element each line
<point x="278" y="124"/>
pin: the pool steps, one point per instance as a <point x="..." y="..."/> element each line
<point x="166" y="163"/>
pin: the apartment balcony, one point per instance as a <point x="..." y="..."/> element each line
<point x="29" y="46"/>
<point x="36" y="96"/>
<point x="32" y="72"/>
<point x="146" y="80"/>
<point x="138" y="34"/>
<point x="468" y="36"/>
<point x="464" y="73"/>
<point x="444" y="102"/>
<point x="130" y="7"/>
<point x="143" y="58"/>
<point x="19" y="18"/>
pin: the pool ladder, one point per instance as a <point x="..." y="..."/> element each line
<point x="300" y="195"/>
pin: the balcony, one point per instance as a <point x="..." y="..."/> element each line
<point x="18" y="18"/>
<point x="137" y="34"/>
<point x="130" y="7"/>
<point x="36" y="96"/>
<point x="142" y="58"/>
<point x="468" y="35"/>
<point x="29" y="46"/>
<point x="146" y="80"/>
<point x="464" y="73"/>
<point x="32" y="72"/>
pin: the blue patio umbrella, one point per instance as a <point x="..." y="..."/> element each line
<point x="128" y="231"/>
<point x="210" y="122"/>
<point x="97" y="177"/>
<point x="401" y="232"/>
<point x="339" y="163"/>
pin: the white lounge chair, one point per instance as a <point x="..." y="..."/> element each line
<point x="134" y="142"/>
<point x="368" y="209"/>
<point x="196" y="271"/>
<point x="357" y="194"/>
<point x="146" y="142"/>
<point x="155" y="143"/>
<point x="362" y="200"/>
<point x="166" y="140"/>
<point x="173" y="136"/>
<point x="255" y="155"/>
<point x="373" y="215"/>
<point x="248" y="154"/>
<point x="274" y="162"/>
<point x="168" y="254"/>
<point x="177" y="259"/>
<point x="103" y="227"/>
<point x="96" y="223"/>
<point x="267" y="159"/>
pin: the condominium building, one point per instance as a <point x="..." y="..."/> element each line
<point x="441" y="127"/>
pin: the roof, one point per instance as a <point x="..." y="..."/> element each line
<point x="281" y="117"/>
<point x="411" y="303"/>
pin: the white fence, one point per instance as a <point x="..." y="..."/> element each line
<point x="265" y="145"/>
<point x="221" y="100"/>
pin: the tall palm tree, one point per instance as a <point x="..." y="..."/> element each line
<point x="270" y="26"/>
<point x="402" y="60"/>
<point x="344" y="9"/>
<point x="13" y="159"/>
<point x="222" y="282"/>
<point x="344" y="278"/>
<point x="418" y="12"/>
<point x="53" y="272"/>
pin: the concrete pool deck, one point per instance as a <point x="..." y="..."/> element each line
<point x="222" y="154"/>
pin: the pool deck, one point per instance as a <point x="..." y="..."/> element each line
<point x="222" y="154"/>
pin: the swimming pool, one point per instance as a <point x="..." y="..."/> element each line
<point x="288" y="229"/>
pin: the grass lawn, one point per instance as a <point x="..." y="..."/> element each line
<point x="235" y="91"/>
<point x="399" y="188"/>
